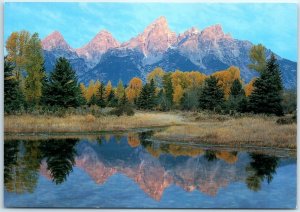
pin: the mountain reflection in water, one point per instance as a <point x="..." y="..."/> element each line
<point x="152" y="166"/>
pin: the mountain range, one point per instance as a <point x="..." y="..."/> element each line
<point x="208" y="50"/>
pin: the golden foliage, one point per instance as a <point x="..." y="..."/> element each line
<point x="157" y="76"/>
<point x="179" y="78"/>
<point x="179" y="150"/>
<point x="226" y="78"/>
<point x="107" y="137"/>
<point x="227" y="156"/>
<point x="178" y="94"/>
<point x="134" y="89"/>
<point x="120" y="90"/>
<point x="108" y="89"/>
<point x="133" y="139"/>
<point x="15" y="47"/>
<point x="91" y="90"/>
<point x="83" y="89"/>
<point x="154" y="152"/>
<point x="249" y="87"/>
<point x="195" y="78"/>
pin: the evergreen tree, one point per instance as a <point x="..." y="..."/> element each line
<point x="168" y="88"/>
<point x="190" y="98"/>
<point x="267" y="94"/>
<point x="237" y="99"/>
<point x="124" y="106"/>
<point x="13" y="97"/>
<point x="101" y="96"/>
<point x="152" y="96"/>
<point x="212" y="95"/>
<point x="162" y="102"/>
<point x="146" y="99"/>
<point x="93" y="100"/>
<point x="236" y="88"/>
<point x="62" y="89"/>
<point x="112" y="101"/>
<point x="60" y="157"/>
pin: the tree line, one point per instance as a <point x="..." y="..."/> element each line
<point x="27" y="86"/>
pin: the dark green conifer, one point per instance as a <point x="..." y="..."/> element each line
<point x="267" y="94"/>
<point x="13" y="96"/>
<point x="101" y="96"/>
<point x="62" y="89"/>
<point x="212" y="95"/>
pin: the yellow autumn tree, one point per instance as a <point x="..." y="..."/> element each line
<point x="120" y="90"/>
<point x="133" y="139"/>
<point x="96" y="87"/>
<point x="108" y="89"/>
<point x="134" y="89"/>
<point x="83" y="89"/>
<point x="249" y="87"/>
<point x="177" y="94"/>
<point x="16" y="45"/>
<point x="226" y="78"/>
<point x="179" y="78"/>
<point x="195" y="78"/>
<point x="229" y="157"/>
<point x="89" y="90"/>
<point x="157" y="75"/>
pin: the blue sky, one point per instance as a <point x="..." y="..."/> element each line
<point x="274" y="25"/>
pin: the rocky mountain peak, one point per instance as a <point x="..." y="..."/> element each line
<point x="156" y="38"/>
<point x="214" y="32"/>
<point x="55" y="41"/>
<point x="93" y="50"/>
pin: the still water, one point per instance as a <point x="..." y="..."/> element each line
<point x="129" y="171"/>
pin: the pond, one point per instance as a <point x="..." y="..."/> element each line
<point x="129" y="171"/>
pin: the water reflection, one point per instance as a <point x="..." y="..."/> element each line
<point x="261" y="167"/>
<point x="152" y="166"/>
<point x="59" y="156"/>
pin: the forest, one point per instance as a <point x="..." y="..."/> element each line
<point x="218" y="109"/>
<point x="29" y="89"/>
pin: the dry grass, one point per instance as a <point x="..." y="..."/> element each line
<point x="210" y="129"/>
<point x="87" y="123"/>
<point x="236" y="132"/>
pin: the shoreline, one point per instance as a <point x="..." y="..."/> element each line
<point x="186" y="128"/>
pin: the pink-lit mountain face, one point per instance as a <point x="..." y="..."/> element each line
<point x="55" y="41"/>
<point x="93" y="50"/>
<point x="154" y="41"/>
<point x="206" y="50"/>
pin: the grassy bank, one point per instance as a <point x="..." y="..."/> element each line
<point x="86" y="123"/>
<point x="260" y="131"/>
<point x="198" y="128"/>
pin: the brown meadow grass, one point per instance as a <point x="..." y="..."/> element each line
<point x="198" y="128"/>
<point x="86" y="123"/>
<point x="258" y="131"/>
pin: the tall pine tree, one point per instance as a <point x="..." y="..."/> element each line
<point x="237" y="99"/>
<point x="62" y="88"/>
<point x="13" y="97"/>
<point x="267" y="94"/>
<point x="212" y="95"/>
<point x="168" y="89"/>
<point x="101" y="96"/>
<point x="146" y="99"/>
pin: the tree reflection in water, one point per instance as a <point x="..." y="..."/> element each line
<point x="261" y="167"/>
<point x="60" y="157"/>
<point x="21" y="165"/>
<point x="210" y="155"/>
<point x="23" y="160"/>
